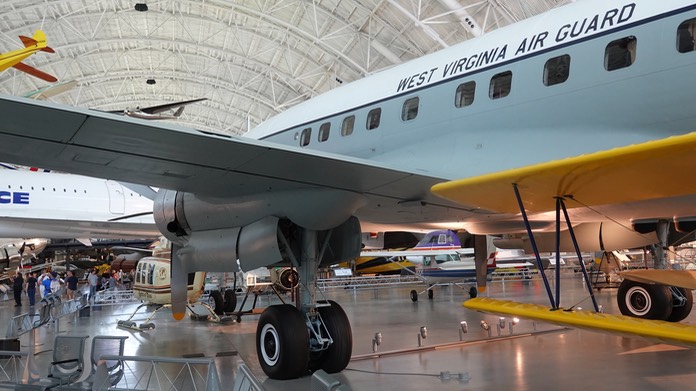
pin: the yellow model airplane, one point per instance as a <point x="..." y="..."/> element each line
<point x="31" y="46"/>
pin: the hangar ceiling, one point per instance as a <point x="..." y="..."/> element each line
<point x="251" y="59"/>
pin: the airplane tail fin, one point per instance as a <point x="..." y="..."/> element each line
<point x="179" y="111"/>
<point x="39" y="40"/>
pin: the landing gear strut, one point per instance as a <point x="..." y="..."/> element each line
<point x="295" y="341"/>
<point x="654" y="301"/>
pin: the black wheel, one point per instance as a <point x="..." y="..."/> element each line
<point x="282" y="342"/>
<point x="430" y="294"/>
<point x="473" y="292"/>
<point x="646" y="301"/>
<point x="230" y="301"/>
<point x="681" y="312"/>
<point x="215" y="302"/>
<point x="414" y="295"/>
<point x="336" y="357"/>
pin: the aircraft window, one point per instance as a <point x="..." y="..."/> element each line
<point x="20" y="187"/>
<point x="685" y="36"/>
<point x="620" y="53"/>
<point x="500" y="85"/>
<point x="556" y="70"/>
<point x="373" y="118"/>
<point x="324" y="130"/>
<point x="151" y="275"/>
<point x="347" y="125"/>
<point x="410" y="109"/>
<point x="43" y="189"/>
<point x="306" y="136"/>
<point x="465" y="94"/>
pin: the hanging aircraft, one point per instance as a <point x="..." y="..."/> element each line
<point x="156" y="112"/>
<point x="582" y="105"/>
<point x="32" y="45"/>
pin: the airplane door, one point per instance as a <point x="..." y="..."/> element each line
<point x="117" y="199"/>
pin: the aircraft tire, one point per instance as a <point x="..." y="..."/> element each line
<point x="216" y="303"/>
<point x="430" y="294"/>
<point x="230" y="301"/>
<point x="680" y="313"/>
<point x="282" y="342"/>
<point x="336" y="357"/>
<point x="473" y="292"/>
<point x="645" y="301"/>
<point x="414" y="295"/>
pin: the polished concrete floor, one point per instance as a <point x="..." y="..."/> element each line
<point x="534" y="356"/>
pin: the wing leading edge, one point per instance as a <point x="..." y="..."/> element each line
<point x="589" y="179"/>
<point x="653" y="330"/>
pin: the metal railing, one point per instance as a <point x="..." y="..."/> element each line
<point x="113" y="296"/>
<point x="160" y="373"/>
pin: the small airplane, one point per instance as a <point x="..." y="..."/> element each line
<point x="437" y="259"/>
<point x="31" y="45"/>
<point x="582" y="105"/>
<point x="155" y="112"/>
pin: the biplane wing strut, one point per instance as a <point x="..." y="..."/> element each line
<point x="560" y="206"/>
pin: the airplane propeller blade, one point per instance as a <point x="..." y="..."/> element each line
<point x="179" y="284"/>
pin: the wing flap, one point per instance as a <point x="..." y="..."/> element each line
<point x="653" y="330"/>
<point x="619" y="175"/>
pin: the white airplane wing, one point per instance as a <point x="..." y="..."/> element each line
<point x="97" y="144"/>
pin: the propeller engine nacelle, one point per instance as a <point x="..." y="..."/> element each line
<point x="285" y="278"/>
<point x="213" y="234"/>
<point x="605" y="236"/>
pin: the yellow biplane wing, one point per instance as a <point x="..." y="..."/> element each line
<point x="583" y="177"/>
<point x="652" y="330"/>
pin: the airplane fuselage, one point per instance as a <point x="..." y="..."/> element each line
<point x="7" y="60"/>
<point x="54" y="205"/>
<point x="549" y="87"/>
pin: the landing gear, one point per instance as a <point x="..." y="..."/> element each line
<point x="230" y="300"/>
<point x="430" y="293"/>
<point x="473" y="292"/>
<point x="682" y="302"/>
<point x="414" y="295"/>
<point x="336" y="357"/>
<point x="282" y="342"/>
<point x="646" y="301"/>
<point x="216" y="303"/>
<point x="293" y="341"/>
